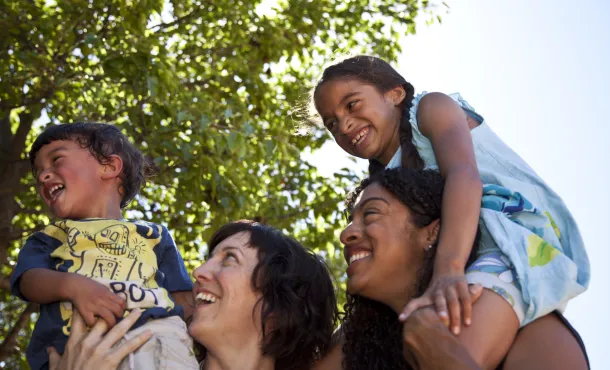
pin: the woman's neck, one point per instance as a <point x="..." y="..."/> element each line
<point x="398" y="303"/>
<point x="248" y="356"/>
<point x="397" y="295"/>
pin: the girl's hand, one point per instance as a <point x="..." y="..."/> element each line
<point x="446" y="292"/>
<point x="94" y="350"/>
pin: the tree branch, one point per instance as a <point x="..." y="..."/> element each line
<point x="26" y="120"/>
<point x="177" y="21"/>
<point x="7" y="346"/>
<point x="5" y="283"/>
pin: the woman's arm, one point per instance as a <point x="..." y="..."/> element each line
<point x="428" y="344"/>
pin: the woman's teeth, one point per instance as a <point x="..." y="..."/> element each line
<point x="358" y="256"/>
<point x="360" y="136"/>
<point x="204" y="298"/>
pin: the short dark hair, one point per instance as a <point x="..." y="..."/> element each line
<point x="298" y="300"/>
<point x="102" y="140"/>
<point x="373" y="334"/>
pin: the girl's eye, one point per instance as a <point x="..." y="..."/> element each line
<point x="351" y="104"/>
<point x="330" y="124"/>
<point x="56" y="159"/>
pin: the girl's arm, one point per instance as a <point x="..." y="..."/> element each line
<point x="445" y="124"/>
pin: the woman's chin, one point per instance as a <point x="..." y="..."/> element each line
<point x="356" y="286"/>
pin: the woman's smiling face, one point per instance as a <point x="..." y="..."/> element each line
<point x="225" y="299"/>
<point x="383" y="248"/>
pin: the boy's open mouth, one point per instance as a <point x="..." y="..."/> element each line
<point x="54" y="191"/>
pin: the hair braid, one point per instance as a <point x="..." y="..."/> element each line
<point x="410" y="156"/>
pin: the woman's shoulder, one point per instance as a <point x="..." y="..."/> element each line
<point x="333" y="358"/>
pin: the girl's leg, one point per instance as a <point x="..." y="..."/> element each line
<point x="493" y="329"/>
<point x="545" y="343"/>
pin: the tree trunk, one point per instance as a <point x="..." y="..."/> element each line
<point x="12" y="170"/>
<point x="7" y="346"/>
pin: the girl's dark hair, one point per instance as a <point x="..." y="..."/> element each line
<point x="373" y="334"/>
<point x="299" y="308"/>
<point x="378" y="73"/>
<point x="102" y="140"/>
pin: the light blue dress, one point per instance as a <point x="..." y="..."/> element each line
<point x="529" y="239"/>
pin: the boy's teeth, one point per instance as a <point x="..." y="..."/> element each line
<point x="55" y="188"/>
<point x="358" y="256"/>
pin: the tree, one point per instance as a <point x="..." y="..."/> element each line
<point x="210" y="90"/>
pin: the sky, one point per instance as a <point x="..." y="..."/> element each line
<point x="539" y="72"/>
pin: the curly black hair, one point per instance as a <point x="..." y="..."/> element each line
<point x="102" y="140"/>
<point x="378" y="73"/>
<point x="373" y="334"/>
<point x="298" y="301"/>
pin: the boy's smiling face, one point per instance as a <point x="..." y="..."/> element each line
<point x="69" y="179"/>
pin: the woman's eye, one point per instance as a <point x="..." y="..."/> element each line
<point x="56" y="158"/>
<point x="230" y="257"/>
<point x="351" y="104"/>
<point x="368" y="213"/>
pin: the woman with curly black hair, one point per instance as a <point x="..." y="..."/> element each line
<point x="390" y="246"/>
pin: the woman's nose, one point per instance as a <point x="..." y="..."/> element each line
<point x="204" y="272"/>
<point x="352" y="233"/>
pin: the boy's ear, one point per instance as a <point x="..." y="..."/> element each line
<point x="396" y="95"/>
<point x="113" y="167"/>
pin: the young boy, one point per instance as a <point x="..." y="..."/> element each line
<point x="91" y="257"/>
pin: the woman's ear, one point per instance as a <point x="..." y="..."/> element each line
<point x="113" y="167"/>
<point x="432" y="231"/>
<point x="396" y="95"/>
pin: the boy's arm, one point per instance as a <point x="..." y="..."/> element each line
<point x="176" y="279"/>
<point x="185" y="299"/>
<point x="44" y="286"/>
<point x="90" y="298"/>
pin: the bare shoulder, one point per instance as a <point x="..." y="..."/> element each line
<point x="439" y="111"/>
<point x="333" y="358"/>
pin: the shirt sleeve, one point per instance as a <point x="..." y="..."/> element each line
<point x="175" y="277"/>
<point x="36" y="253"/>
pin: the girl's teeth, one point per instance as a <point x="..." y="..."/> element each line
<point x="360" y="136"/>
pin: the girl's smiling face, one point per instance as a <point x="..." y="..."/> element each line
<point x="363" y="121"/>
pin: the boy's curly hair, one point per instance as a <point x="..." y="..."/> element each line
<point x="102" y="140"/>
<point x="373" y="334"/>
